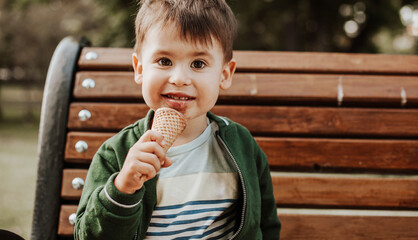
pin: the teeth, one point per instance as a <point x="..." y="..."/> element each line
<point x="178" y="98"/>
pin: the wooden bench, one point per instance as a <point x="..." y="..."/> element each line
<point x="340" y="132"/>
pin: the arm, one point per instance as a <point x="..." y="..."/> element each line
<point x="98" y="217"/>
<point x="270" y="224"/>
<point x="111" y="205"/>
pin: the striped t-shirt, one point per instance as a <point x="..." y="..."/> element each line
<point x="196" y="195"/>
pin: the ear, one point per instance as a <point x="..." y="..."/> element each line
<point x="228" y="71"/>
<point x="137" y="65"/>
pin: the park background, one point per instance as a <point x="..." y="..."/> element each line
<point x="31" y="29"/>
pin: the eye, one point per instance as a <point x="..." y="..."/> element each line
<point x="199" y="64"/>
<point x="164" y="62"/>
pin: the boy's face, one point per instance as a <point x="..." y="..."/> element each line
<point x="179" y="74"/>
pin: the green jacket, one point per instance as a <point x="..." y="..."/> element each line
<point x="128" y="216"/>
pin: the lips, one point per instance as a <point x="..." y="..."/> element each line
<point x="178" y="101"/>
<point x="178" y="96"/>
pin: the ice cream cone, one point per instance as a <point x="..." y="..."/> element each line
<point x="170" y="123"/>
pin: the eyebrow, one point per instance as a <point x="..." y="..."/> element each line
<point x="161" y="52"/>
<point x="202" y="53"/>
<point x="194" y="54"/>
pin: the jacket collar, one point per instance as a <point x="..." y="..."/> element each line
<point x="148" y="120"/>
<point x="221" y="121"/>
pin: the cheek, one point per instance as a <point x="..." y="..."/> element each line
<point x="150" y="82"/>
<point x="210" y="93"/>
<point x="149" y="91"/>
<point x="145" y="94"/>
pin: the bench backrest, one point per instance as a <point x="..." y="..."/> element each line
<point x="340" y="132"/>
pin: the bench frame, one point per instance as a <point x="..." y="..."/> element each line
<point x="51" y="145"/>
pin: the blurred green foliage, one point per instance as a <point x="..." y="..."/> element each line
<point x="303" y="25"/>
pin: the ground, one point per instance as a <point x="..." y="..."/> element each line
<point x="18" y="166"/>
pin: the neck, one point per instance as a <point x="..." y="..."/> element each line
<point x="195" y="127"/>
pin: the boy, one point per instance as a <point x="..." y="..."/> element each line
<point x="214" y="183"/>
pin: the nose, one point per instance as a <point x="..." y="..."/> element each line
<point x="180" y="77"/>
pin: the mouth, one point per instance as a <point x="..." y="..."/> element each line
<point x="179" y="97"/>
<point x="178" y="101"/>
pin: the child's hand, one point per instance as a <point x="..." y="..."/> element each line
<point x="142" y="163"/>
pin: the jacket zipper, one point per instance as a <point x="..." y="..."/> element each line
<point x="244" y="191"/>
<point x="136" y="235"/>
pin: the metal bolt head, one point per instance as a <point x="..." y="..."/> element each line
<point x="91" y="55"/>
<point x="81" y="146"/>
<point x="72" y="218"/>
<point x="77" y="183"/>
<point x="84" y="115"/>
<point x="88" y="83"/>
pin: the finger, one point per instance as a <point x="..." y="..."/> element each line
<point x="139" y="162"/>
<point x="146" y="170"/>
<point x="152" y="147"/>
<point x="149" y="158"/>
<point x="151" y="136"/>
<point x="167" y="162"/>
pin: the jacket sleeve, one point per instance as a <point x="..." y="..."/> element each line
<point x="103" y="211"/>
<point x="270" y="224"/>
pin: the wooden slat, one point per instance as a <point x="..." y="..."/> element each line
<point x="107" y="58"/>
<point x="268" y="120"/>
<point x="68" y="192"/>
<point x="331" y="227"/>
<point x="295" y="87"/>
<point x="268" y="61"/>
<point x="250" y="87"/>
<point x="369" y="154"/>
<point x="343" y="190"/>
<point x="105" y="116"/>
<point x="323" y="121"/>
<point x="402" y="90"/>
<point x="110" y="85"/>
<point x="323" y="225"/>
<point x="64" y="226"/>
<point x="93" y="140"/>
<point x="326" y="62"/>
<point x="298" y="152"/>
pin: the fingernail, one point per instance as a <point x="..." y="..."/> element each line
<point x="163" y="143"/>
<point x="162" y="163"/>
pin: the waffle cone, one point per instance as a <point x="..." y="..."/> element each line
<point x="170" y="123"/>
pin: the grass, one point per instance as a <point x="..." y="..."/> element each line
<point x="20" y="110"/>
<point x="17" y="102"/>
<point x="18" y="167"/>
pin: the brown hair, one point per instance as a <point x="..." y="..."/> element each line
<point x="198" y="21"/>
